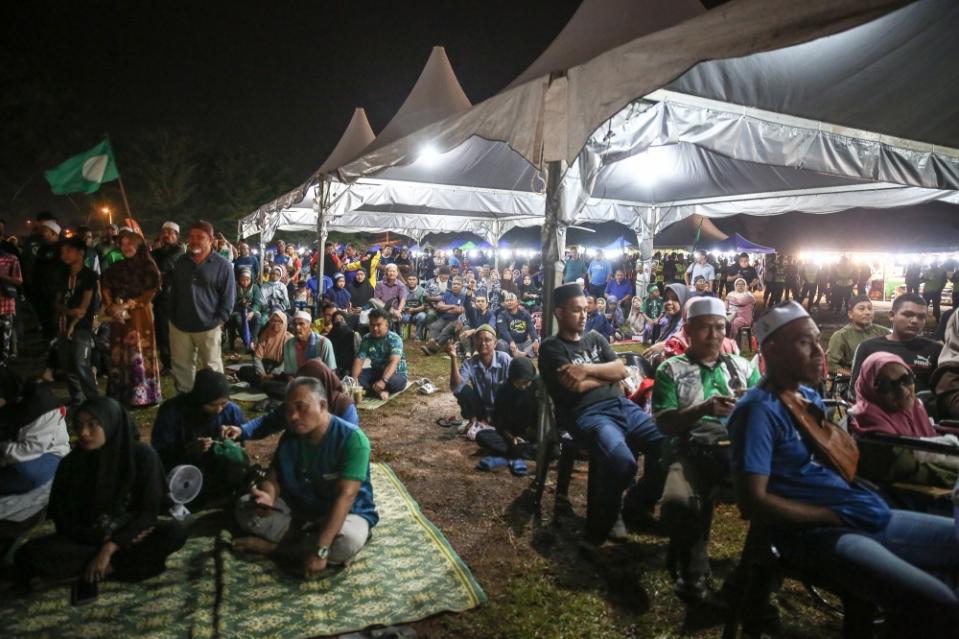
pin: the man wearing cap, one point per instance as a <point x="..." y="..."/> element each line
<point x="474" y="382"/>
<point x="391" y="291"/>
<point x="692" y="399"/>
<point x="583" y="375"/>
<point x="201" y="300"/>
<point x="817" y="520"/>
<point x="306" y="344"/>
<point x="414" y="313"/>
<point x="845" y="341"/>
<point x="274" y="291"/>
<point x="165" y="256"/>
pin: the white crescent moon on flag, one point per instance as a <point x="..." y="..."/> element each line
<point x="94" y="168"/>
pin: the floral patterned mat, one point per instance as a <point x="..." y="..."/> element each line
<point x="407" y="572"/>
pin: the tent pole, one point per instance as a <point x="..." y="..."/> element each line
<point x="647" y="223"/>
<point x="320" y="202"/>
<point x="554" y="241"/>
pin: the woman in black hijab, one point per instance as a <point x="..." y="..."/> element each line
<point x="106" y="496"/>
<point x="360" y="290"/>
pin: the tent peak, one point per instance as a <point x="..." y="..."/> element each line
<point x="437" y="94"/>
<point x="600" y="25"/>
<point x="357" y="136"/>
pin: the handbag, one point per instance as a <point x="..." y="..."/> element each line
<point x="829" y="442"/>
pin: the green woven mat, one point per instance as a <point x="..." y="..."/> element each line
<point x="407" y="572"/>
<point x="372" y="403"/>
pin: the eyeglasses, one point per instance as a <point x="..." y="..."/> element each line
<point x="888" y="385"/>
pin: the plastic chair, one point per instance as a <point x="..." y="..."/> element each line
<point x="762" y="569"/>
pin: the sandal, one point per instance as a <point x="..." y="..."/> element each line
<point x="518" y="467"/>
<point x="449" y="422"/>
<point x="491" y="463"/>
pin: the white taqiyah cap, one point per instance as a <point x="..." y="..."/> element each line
<point x="777" y="317"/>
<point x="704" y="306"/>
<point x="303" y="315"/>
<point x="53" y="226"/>
<point x="171" y="225"/>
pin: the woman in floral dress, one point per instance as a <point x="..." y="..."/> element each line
<point x="128" y="288"/>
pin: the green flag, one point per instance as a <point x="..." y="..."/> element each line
<point x="84" y="173"/>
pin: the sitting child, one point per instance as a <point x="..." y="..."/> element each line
<point x="653" y="310"/>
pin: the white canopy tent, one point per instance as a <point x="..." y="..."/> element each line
<point x="670" y="153"/>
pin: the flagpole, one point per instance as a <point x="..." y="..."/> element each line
<point x="123" y="192"/>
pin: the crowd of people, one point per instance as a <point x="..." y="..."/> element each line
<point x="134" y="311"/>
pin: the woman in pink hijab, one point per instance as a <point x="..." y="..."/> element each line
<point x="886" y="405"/>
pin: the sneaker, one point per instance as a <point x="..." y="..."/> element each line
<point x="465" y="426"/>
<point x="618" y="532"/>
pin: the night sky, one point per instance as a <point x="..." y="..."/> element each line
<point x="278" y="79"/>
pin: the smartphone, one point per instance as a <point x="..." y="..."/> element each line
<point x="84" y="592"/>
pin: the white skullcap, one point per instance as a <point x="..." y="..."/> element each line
<point x="53" y="226"/>
<point x="303" y="315"/>
<point x="171" y="225"/>
<point x="777" y="317"/>
<point x="699" y="306"/>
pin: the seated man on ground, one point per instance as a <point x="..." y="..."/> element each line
<point x="384" y="348"/>
<point x="818" y="520"/>
<point x="692" y="399"/>
<point x="33" y="440"/>
<point x="306" y="344"/>
<point x="474" y="382"/>
<point x="908" y="316"/>
<point x="449" y="308"/>
<point x="515" y="329"/>
<point x="392" y="291"/>
<point x="886" y="404"/>
<point x="583" y="375"/>
<point x="340" y="405"/>
<point x="106" y="496"/>
<point x="316" y="506"/>
<point x="845" y="341"/>
<point x="187" y="427"/>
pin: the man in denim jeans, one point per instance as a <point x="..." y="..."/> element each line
<point x="76" y="304"/>
<point x="818" y="520"/>
<point x="583" y="375"/>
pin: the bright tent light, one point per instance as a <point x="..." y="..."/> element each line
<point x="429" y="156"/>
<point x="505" y="254"/>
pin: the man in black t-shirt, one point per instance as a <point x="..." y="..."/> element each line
<point x="920" y="353"/>
<point x="76" y="304"/>
<point x="582" y="375"/>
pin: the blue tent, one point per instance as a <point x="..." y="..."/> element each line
<point x="736" y="243"/>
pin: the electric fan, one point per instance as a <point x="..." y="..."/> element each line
<point x="184" y="483"/>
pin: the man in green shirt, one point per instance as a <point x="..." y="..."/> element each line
<point x="384" y="348"/>
<point x="845" y="341"/>
<point x="315" y="506"/>
<point x="693" y="397"/>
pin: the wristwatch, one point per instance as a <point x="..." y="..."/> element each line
<point x="323" y="552"/>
